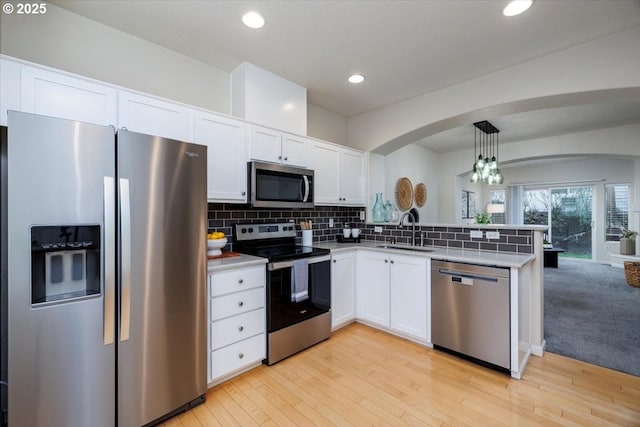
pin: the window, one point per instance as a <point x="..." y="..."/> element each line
<point x="496" y="206"/>
<point x="616" y="215"/>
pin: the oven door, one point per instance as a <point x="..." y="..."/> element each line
<point x="285" y="304"/>
<point x="278" y="186"/>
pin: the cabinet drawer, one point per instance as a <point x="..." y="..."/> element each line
<point x="238" y="355"/>
<point x="223" y="282"/>
<point x="236" y="303"/>
<point x="236" y="328"/>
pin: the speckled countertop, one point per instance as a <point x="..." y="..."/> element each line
<point x="234" y="262"/>
<point x="500" y="259"/>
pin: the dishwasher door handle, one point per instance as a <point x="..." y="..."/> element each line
<point x="472" y="277"/>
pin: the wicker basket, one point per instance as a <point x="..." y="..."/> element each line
<point x="632" y="273"/>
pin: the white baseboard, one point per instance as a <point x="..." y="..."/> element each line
<point x="538" y="350"/>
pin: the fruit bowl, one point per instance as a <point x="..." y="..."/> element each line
<point x="214" y="246"/>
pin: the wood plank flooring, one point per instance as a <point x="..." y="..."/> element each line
<point x="362" y="376"/>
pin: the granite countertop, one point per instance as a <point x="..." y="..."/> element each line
<point x="472" y="256"/>
<point x="234" y="262"/>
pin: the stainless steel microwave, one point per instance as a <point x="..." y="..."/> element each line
<point x="278" y="186"/>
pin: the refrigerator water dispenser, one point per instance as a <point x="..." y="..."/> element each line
<point x="65" y="262"/>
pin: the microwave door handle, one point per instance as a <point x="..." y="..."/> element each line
<point x="305" y="179"/>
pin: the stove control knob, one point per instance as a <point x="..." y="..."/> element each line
<point x="243" y="231"/>
<point x="251" y="230"/>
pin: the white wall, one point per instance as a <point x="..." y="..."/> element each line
<point x="419" y="164"/>
<point x="325" y="124"/>
<point x="581" y="74"/>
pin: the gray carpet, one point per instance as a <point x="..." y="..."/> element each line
<point x="591" y="314"/>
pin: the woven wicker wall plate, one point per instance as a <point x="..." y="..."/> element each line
<point x="421" y="195"/>
<point x="404" y="194"/>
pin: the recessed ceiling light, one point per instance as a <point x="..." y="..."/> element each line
<point x="356" y="78"/>
<point x="253" y="19"/>
<point x="516" y="7"/>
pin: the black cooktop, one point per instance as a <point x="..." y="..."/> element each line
<point x="284" y="252"/>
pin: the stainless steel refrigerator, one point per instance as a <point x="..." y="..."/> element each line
<point x="106" y="259"/>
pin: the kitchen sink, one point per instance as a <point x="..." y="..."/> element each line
<point x="406" y="248"/>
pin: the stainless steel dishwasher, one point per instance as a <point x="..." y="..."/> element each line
<point x="470" y="311"/>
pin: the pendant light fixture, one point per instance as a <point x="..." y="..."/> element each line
<point x="485" y="154"/>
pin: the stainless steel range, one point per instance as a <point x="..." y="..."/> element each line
<point x="298" y="287"/>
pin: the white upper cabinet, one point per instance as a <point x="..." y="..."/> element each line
<point x="59" y="95"/>
<point x="153" y="116"/>
<point x="324" y="162"/>
<point x="226" y="156"/>
<point x="352" y="177"/>
<point x="277" y="147"/>
<point x="260" y="96"/>
<point x="295" y="150"/>
<point x="339" y="175"/>
<point x="265" y="144"/>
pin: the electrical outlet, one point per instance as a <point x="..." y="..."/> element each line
<point x="493" y="234"/>
<point x="361" y="215"/>
<point x="475" y="234"/>
<point x="330" y="222"/>
<point x="377" y="229"/>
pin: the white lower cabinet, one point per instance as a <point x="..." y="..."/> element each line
<point x="409" y="295"/>
<point x="343" y="288"/>
<point x="392" y="292"/>
<point x="373" y="287"/>
<point x="237" y="321"/>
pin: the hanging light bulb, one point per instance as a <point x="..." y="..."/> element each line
<point x="475" y="177"/>
<point x="498" y="177"/>
<point x="485" y="167"/>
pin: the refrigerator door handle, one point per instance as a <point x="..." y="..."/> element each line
<point x="125" y="261"/>
<point x="109" y="259"/>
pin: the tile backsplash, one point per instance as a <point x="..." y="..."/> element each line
<point x="222" y="217"/>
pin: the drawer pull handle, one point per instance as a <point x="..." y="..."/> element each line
<point x="240" y="356"/>
<point x="241" y="281"/>
<point x="334" y="261"/>
<point x="391" y="261"/>
<point x="386" y="260"/>
<point x="240" y="304"/>
<point x="241" y="328"/>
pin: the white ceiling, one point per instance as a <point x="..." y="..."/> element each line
<point x="404" y="48"/>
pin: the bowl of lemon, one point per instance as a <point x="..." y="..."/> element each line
<point x="215" y="242"/>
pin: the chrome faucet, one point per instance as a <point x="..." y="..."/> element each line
<point x="413" y="225"/>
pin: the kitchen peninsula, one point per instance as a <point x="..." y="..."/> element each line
<point x="356" y="267"/>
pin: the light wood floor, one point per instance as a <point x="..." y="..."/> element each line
<point x="362" y="376"/>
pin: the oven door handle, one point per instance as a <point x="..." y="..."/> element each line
<point x="273" y="266"/>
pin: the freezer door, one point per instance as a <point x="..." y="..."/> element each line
<point x="61" y="367"/>
<point x="162" y="329"/>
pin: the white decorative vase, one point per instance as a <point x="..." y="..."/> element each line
<point x="627" y="246"/>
